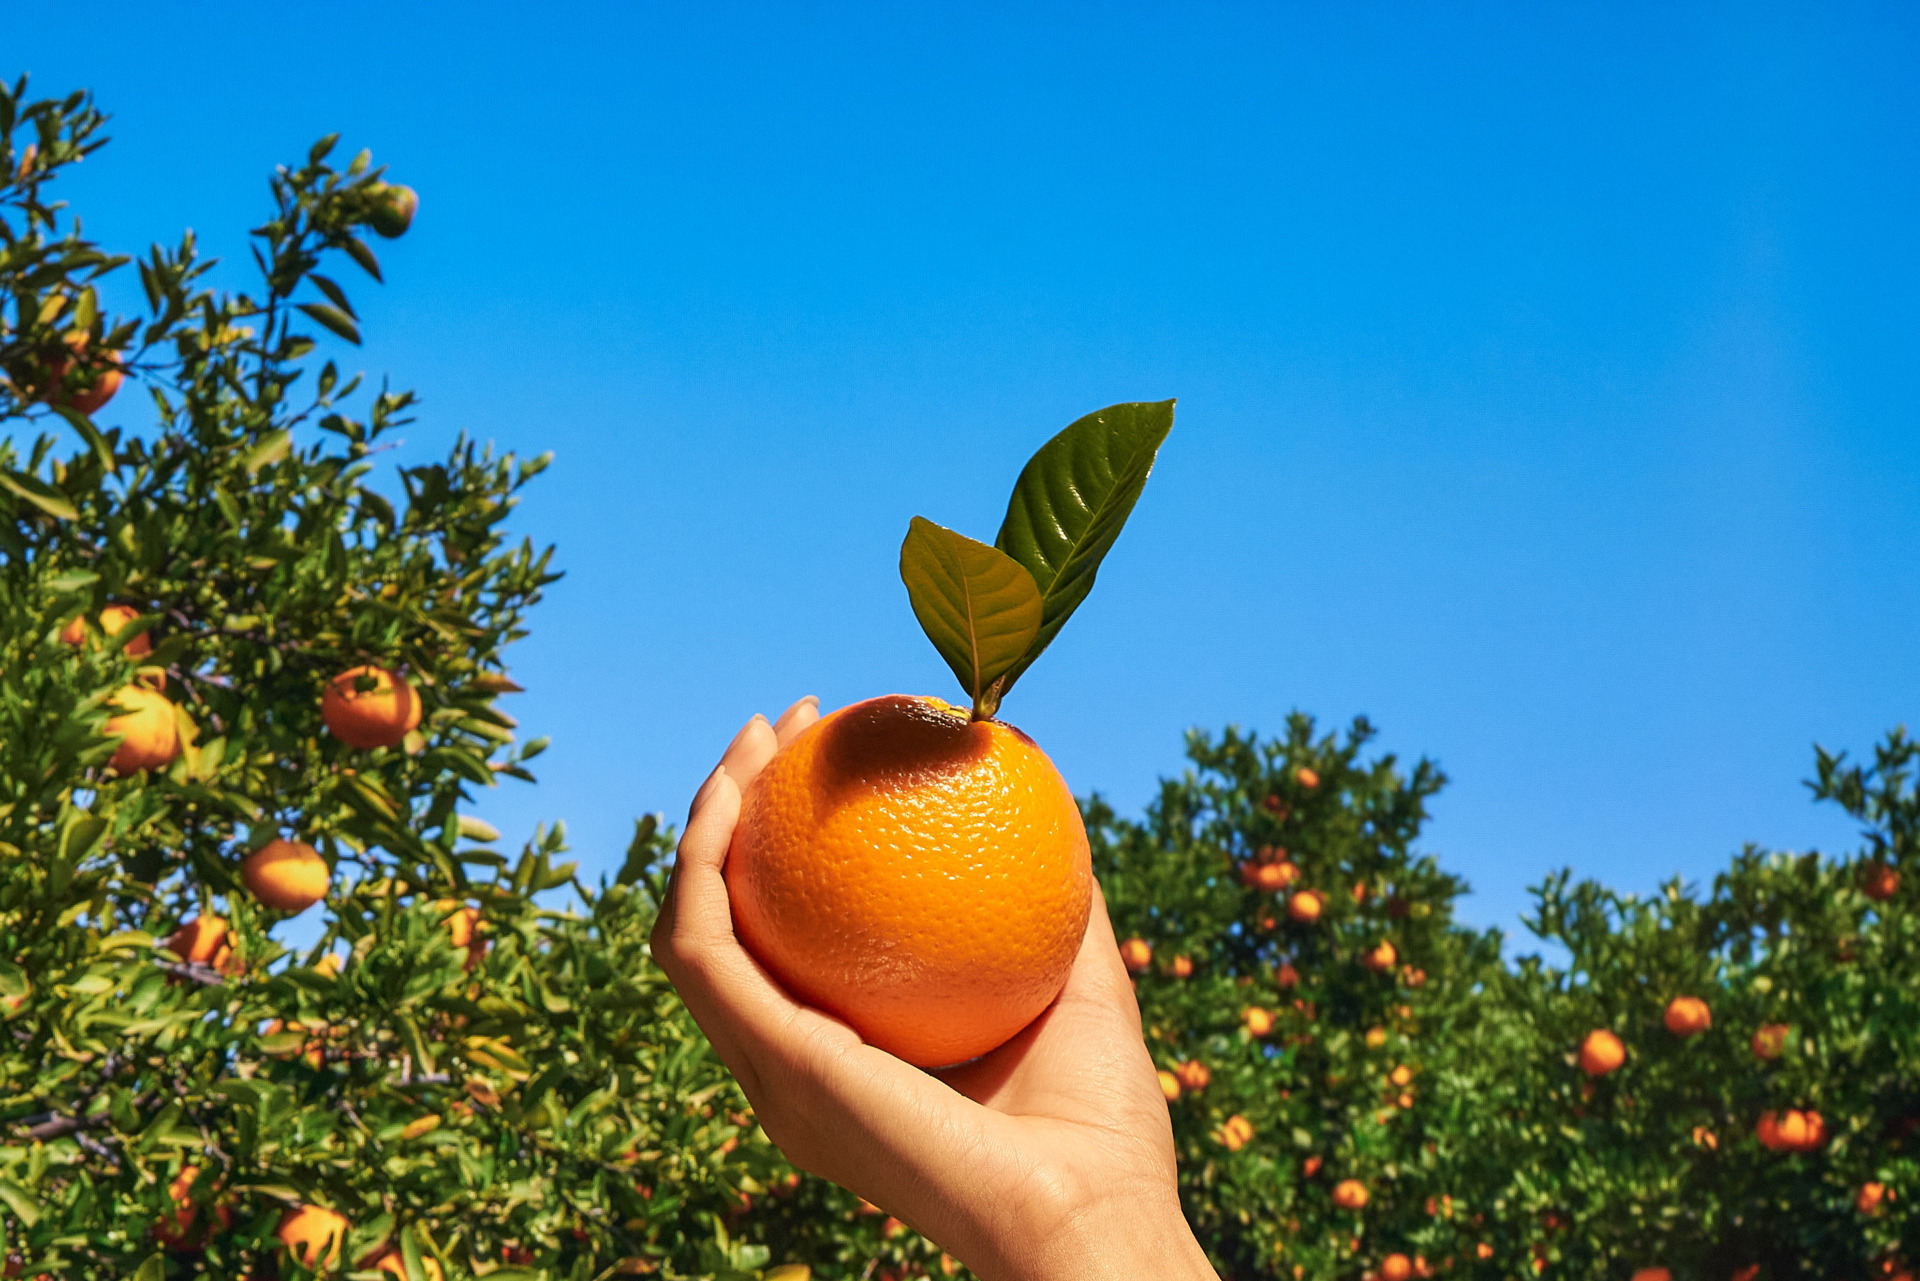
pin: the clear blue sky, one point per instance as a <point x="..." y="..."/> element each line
<point x="1547" y="374"/>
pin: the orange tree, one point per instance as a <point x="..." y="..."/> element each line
<point x="196" y="566"/>
<point x="1747" y="1106"/>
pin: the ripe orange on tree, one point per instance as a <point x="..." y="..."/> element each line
<point x="1169" y="1085"/>
<point x="1136" y="954"/>
<point x="1871" y="1197"/>
<point x="1687" y="1015"/>
<point x="83" y="380"/>
<point x="112" y="619"/>
<point x="1770" y="1041"/>
<point x="287" y="876"/>
<point x="1350" y="1194"/>
<point x="920" y="870"/>
<point x="1258" y="1021"/>
<point x="1182" y="967"/>
<point x="1193" y="1074"/>
<point x="1305" y="906"/>
<point x="369" y="707"/>
<point x="1653" y="1274"/>
<point x="1396" y="1267"/>
<point x="1380" y="957"/>
<point x="1601" y="1053"/>
<point x="1879" y="882"/>
<point x="148" y="733"/>
<point x="313" y="1235"/>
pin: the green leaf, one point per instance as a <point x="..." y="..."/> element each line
<point x="74" y="580"/>
<point x="1070" y="502"/>
<point x="977" y="605"/>
<point x="20" y="1201"/>
<point x="358" y="251"/>
<point x="40" y="494"/>
<point x="640" y="852"/>
<point x="333" y="318"/>
<point x="270" y="448"/>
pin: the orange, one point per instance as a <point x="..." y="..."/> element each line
<point x="1380" y="957"/>
<point x="391" y="207"/>
<point x="1401" y="1076"/>
<point x="1182" y="967"/>
<point x="112" y="619"/>
<point x="149" y="737"/>
<point x="93" y="387"/>
<point x="1483" y="1251"/>
<point x="923" y="876"/>
<point x="1286" y="975"/>
<point x="1748" y="1273"/>
<point x="1236" y="1133"/>
<point x="1767" y="1130"/>
<point x="1275" y="876"/>
<point x="1193" y="1074"/>
<point x="1308" y="779"/>
<point x="313" y="1234"/>
<point x="1770" y="1042"/>
<point x="463" y="929"/>
<point x="1687" y="1015"/>
<point x="1169" y="1085"/>
<point x="201" y="941"/>
<point x="1310" y="1166"/>
<point x="287" y="876"/>
<point x="1258" y="1021"/>
<point x="1350" y="1194"/>
<point x="1653" y="1274"/>
<point x="1601" y="1053"/>
<point x="393" y="1263"/>
<point x="1396" y="1267"/>
<point x="381" y="714"/>
<point x="1703" y="1137"/>
<point x="1870" y="1198"/>
<point x="1304" y="906"/>
<point x="1136" y="954"/>
<point x="1879" y="882"/>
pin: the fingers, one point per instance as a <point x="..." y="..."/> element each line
<point x="749" y="751"/>
<point x="796" y="718"/>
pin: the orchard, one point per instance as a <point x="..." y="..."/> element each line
<point x="248" y="677"/>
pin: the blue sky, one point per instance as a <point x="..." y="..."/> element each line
<point x="1547" y="375"/>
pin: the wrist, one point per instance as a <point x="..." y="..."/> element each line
<point x="1118" y="1238"/>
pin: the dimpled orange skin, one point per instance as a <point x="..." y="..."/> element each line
<point x="919" y="875"/>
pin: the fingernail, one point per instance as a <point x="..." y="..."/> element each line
<point x="812" y="698"/>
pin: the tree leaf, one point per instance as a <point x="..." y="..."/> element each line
<point x="40" y="494"/>
<point x="270" y="448"/>
<point x="977" y="605"/>
<point x="1070" y="502"/>
<point x="358" y="251"/>
<point x="333" y="318"/>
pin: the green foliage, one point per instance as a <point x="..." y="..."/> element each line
<point x="1502" y="1143"/>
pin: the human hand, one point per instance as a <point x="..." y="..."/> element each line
<point x="1051" y="1157"/>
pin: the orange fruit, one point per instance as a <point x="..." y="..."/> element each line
<point x="112" y="619"/>
<point x="1310" y="1166"/>
<point x="1653" y="1274"/>
<point x="1380" y="957"/>
<point x="1816" y="1131"/>
<point x="149" y="736"/>
<point x="1350" y="1194"/>
<point x="201" y="941"/>
<point x="1136" y="954"/>
<point x="922" y="876"/>
<point x="1870" y="1197"/>
<point x="1401" y="1076"/>
<point x="1483" y="1251"/>
<point x="1182" y="967"/>
<point x="93" y="387"/>
<point x="1286" y="975"/>
<point x="1169" y="1085"/>
<point x="1748" y="1273"/>
<point x="1304" y="906"/>
<point x="1236" y="1133"/>
<point x="1275" y="876"/>
<point x="1396" y="1267"/>
<point x="1705" y="1138"/>
<point x="1376" y="1037"/>
<point x="1767" y="1130"/>
<point x="368" y="707"/>
<point x="313" y="1234"/>
<point x="463" y="929"/>
<point x="1687" y="1015"/>
<point x="1601" y="1053"/>
<point x="1193" y="1074"/>
<point x="287" y="876"/>
<point x="1879" y="882"/>
<point x="1770" y="1042"/>
<point x="390" y="208"/>
<point x="1307" y="778"/>
<point x="393" y="1263"/>
<point x="1258" y="1021"/>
